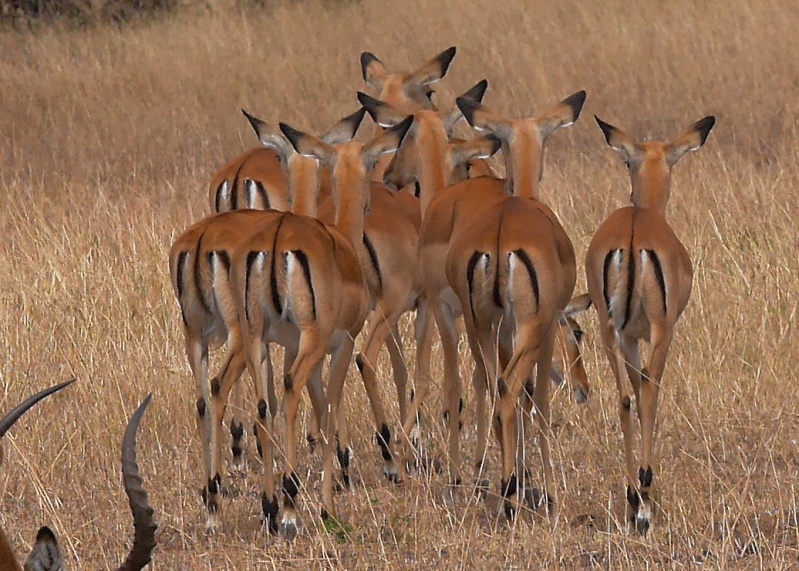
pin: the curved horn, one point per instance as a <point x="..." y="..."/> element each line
<point x="143" y="524"/>
<point x="13" y="416"/>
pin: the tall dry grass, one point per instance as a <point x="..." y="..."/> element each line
<point x="110" y="136"/>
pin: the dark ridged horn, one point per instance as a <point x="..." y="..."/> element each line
<point x="143" y="523"/>
<point x="13" y="416"/>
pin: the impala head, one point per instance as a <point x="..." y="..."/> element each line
<point x="301" y="171"/>
<point x="407" y="91"/>
<point x="523" y="139"/>
<point x="650" y="163"/>
<point x="46" y="555"/>
<point x="567" y="360"/>
<point x="429" y="143"/>
<point x="350" y="163"/>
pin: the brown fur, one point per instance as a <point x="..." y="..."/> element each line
<point x="639" y="278"/>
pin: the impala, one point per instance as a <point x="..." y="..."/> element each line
<point x="46" y="555"/>
<point x="255" y="179"/>
<point x="199" y="262"/>
<point x="639" y="278"/>
<point x="299" y="283"/>
<point x="447" y="209"/>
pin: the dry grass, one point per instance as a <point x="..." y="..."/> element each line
<point x="109" y="140"/>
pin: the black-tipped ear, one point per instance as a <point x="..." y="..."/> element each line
<point x="607" y="129"/>
<point x="370" y="104"/>
<point x="367" y="58"/>
<point x="496" y="142"/>
<point x="355" y="120"/>
<point x="477" y="92"/>
<point x="256" y="124"/>
<point x="468" y="107"/>
<point x="402" y="128"/>
<point x="703" y="127"/>
<point x="445" y="59"/>
<point x="46" y="534"/>
<point x="381" y="113"/>
<point x="292" y="135"/>
<point x="576" y="102"/>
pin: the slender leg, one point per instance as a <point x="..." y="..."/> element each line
<point x="378" y="330"/>
<point x="338" y="374"/>
<point x="424" y="342"/>
<point x="541" y="400"/>
<point x="484" y="354"/>
<point x="400" y="369"/>
<point x="309" y="357"/>
<point x="650" y="387"/>
<point x="529" y="340"/>
<point x="445" y="320"/>
<point x="220" y="392"/>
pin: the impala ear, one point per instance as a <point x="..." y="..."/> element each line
<point x="372" y="70"/>
<point x="479" y="117"/>
<point x="345" y="130"/>
<point x="269" y="138"/>
<point x="561" y="115"/>
<point x="577" y="305"/>
<point x="476" y="93"/>
<point x="381" y="113"/>
<point x="435" y="69"/>
<point x="308" y="145"/>
<point x="45" y="555"/>
<point x="619" y="140"/>
<point x="387" y="142"/>
<point x="690" y="140"/>
<point x="477" y="148"/>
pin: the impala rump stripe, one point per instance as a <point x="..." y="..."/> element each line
<point x="197" y="270"/>
<point x="181" y="285"/>
<point x="374" y="261"/>
<point x="470" y="281"/>
<point x="302" y="258"/>
<point x="661" y="278"/>
<point x="528" y="263"/>
<point x="605" y="272"/>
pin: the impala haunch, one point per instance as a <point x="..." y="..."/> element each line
<point x="299" y="283"/>
<point x="639" y="278"/>
<point x="200" y="262"/>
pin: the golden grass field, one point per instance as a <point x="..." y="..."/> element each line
<point x="110" y="137"/>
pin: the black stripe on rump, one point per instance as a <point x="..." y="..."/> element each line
<point x="374" y="261"/>
<point x="605" y="271"/>
<point x="181" y="286"/>
<point x="218" y="197"/>
<point x="630" y="283"/>
<point x="661" y="278"/>
<point x="306" y="270"/>
<point x="250" y="261"/>
<point x="470" y="281"/>
<point x="197" y="277"/>
<point x="528" y="263"/>
<point x="223" y="257"/>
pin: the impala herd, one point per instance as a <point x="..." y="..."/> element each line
<point x="315" y="239"/>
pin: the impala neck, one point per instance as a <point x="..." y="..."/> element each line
<point x="651" y="185"/>
<point x="524" y="158"/>
<point x="350" y="192"/>
<point x="431" y="145"/>
<point x="304" y="178"/>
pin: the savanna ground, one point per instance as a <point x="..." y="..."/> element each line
<point x="109" y="139"/>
